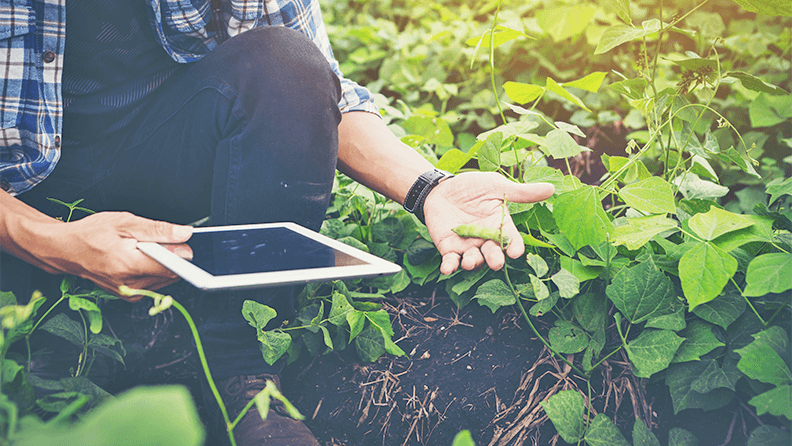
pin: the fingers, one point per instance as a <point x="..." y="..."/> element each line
<point x="145" y="230"/>
<point x="527" y="193"/>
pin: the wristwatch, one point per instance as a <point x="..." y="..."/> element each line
<point x="414" y="201"/>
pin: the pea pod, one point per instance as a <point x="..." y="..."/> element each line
<point x="482" y="232"/>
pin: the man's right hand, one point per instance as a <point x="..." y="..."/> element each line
<point x="101" y="247"/>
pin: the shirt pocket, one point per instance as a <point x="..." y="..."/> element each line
<point x="16" y="57"/>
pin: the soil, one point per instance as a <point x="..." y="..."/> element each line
<point x="468" y="369"/>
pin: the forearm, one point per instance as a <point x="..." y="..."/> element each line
<point x="25" y="232"/>
<point x="371" y="154"/>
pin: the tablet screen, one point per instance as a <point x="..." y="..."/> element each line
<point x="260" y="250"/>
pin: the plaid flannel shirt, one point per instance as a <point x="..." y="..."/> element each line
<point x="32" y="39"/>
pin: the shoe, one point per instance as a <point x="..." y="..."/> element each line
<point x="278" y="429"/>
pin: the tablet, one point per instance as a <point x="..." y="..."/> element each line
<point x="264" y="255"/>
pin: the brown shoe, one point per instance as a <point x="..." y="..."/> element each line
<point x="277" y="430"/>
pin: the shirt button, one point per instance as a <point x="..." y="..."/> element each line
<point x="57" y="141"/>
<point x="48" y="56"/>
<point x="5" y="185"/>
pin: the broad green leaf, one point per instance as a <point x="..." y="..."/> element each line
<point x="699" y="340"/>
<point x="622" y="8"/>
<point x="566" y="410"/>
<point x="591" y="310"/>
<point x="341" y="307"/>
<point x="370" y="344"/>
<point x="328" y="341"/>
<point x="107" y="345"/>
<point x="538" y="264"/>
<point x="356" y="320"/>
<point x="170" y="418"/>
<point x="273" y="345"/>
<point x="778" y="189"/>
<point x="759" y="360"/>
<point x="65" y="327"/>
<point x="723" y="310"/>
<point x="453" y="160"/>
<point x="381" y="321"/>
<point x="652" y="351"/>
<point x="653" y="195"/>
<point x="257" y="315"/>
<point x="434" y="130"/>
<point x="692" y="187"/>
<point x="716" y="222"/>
<point x="704" y="271"/>
<point x="495" y="294"/>
<point x="639" y="231"/>
<point x="754" y="83"/>
<point x="580" y="216"/>
<point x="566" y="337"/>
<point x="502" y="35"/>
<point x="463" y="439"/>
<point x="539" y="288"/>
<point x="489" y="153"/>
<point x="775" y="402"/>
<point x="602" y="432"/>
<point x="641" y="291"/>
<point x="591" y="82"/>
<point x="565" y="22"/>
<point x="631" y="88"/>
<point x="679" y="379"/>
<point x="390" y="230"/>
<point x="543" y="306"/>
<point x="769" y="273"/>
<point x="768" y="435"/>
<point x="391" y="346"/>
<point x="767" y="7"/>
<point x="544" y="174"/>
<point x="568" y="285"/>
<point x="583" y="273"/>
<point x="760" y="231"/>
<point x="642" y="435"/>
<point x="673" y="320"/>
<point x="767" y="111"/>
<point x="681" y="437"/>
<point x="530" y="240"/>
<point x="554" y="86"/>
<point x="561" y="145"/>
<point x="92" y="312"/>
<point x="715" y="376"/>
<point x="522" y="93"/>
<point x="619" y="34"/>
<point x="469" y="280"/>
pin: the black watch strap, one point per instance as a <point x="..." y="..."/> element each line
<point x="415" y="198"/>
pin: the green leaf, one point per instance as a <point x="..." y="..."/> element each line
<point x="522" y="93"/>
<point x="170" y="418"/>
<point x="769" y="436"/>
<point x="434" y="130"/>
<point x="566" y="410"/>
<point x="767" y="111"/>
<point x="65" y="327"/>
<point x="767" y="7"/>
<point x="699" y="340"/>
<point x="631" y="88"/>
<point x="370" y="344"/>
<point x="602" y="432"/>
<point x="273" y="345"/>
<point x="775" y="402"/>
<point x="539" y="288"/>
<point x="778" y="189"/>
<point x="619" y="34"/>
<point x="257" y="315"/>
<point x="92" y="312"/>
<point x="495" y="294"/>
<point x="381" y="321"/>
<point x="759" y="360"/>
<point x="652" y="351"/>
<point x="108" y="345"/>
<point x="714" y="377"/>
<point x="679" y="379"/>
<point x="622" y="8"/>
<point x="591" y="82"/>
<point x="674" y="319"/>
<point x="639" y="231"/>
<point x="716" y="222"/>
<point x="356" y="320"/>
<point x="754" y="83"/>
<point x="565" y="22"/>
<point x="502" y="35"/>
<point x="681" y="437"/>
<point x="453" y="160"/>
<point x="704" y="271"/>
<point x="653" y="195"/>
<point x="568" y="285"/>
<point x="580" y="217"/>
<point x="591" y="310"/>
<point x="566" y="337"/>
<point x="561" y="145"/>
<point x="537" y="264"/>
<point x="769" y="273"/>
<point x="723" y="310"/>
<point x="642" y="435"/>
<point x="641" y="291"/>
<point x="554" y="86"/>
<point x="463" y="439"/>
<point x="489" y="153"/>
<point x="339" y="310"/>
<point x="760" y="231"/>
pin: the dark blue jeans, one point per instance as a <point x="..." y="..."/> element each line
<point x="249" y="134"/>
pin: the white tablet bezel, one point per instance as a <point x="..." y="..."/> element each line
<point x="202" y="279"/>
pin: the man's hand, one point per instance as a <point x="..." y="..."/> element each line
<point x="477" y="198"/>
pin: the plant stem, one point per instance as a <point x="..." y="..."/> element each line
<point x="536" y="332"/>
<point x="748" y="301"/>
<point x="492" y="62"/>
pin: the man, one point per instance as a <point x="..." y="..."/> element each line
<point x="175" y="110"/>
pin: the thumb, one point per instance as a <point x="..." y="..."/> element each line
<point x="526" y="193"/>
<point x="145" y="230"/>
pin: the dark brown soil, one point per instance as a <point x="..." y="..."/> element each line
<point x="468" y="369"/>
